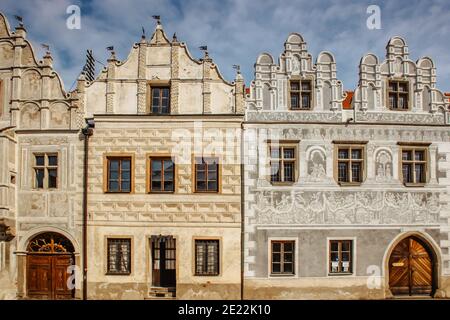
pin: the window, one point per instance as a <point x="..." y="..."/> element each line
<point x="119" y="256"/>
<point x="45" y="171"/>
<point x="341" y="260"/>
<point x="300" y="93"/>
<point x="414" y="165"/>
<point x="161" y="175"/>
<point x="160" y="100"/>
<point x="206" y="174"/>
<point x="398" y="95"/>
<point x="350" y="164"/>
<point x="206" y="257"/>
<point x="119" y="174"/>
<point x="282" y="163"/>
<point x="282" y="257"/>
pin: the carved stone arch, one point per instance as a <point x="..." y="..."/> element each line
<point x="369" y="59"/>
<point x="425" y="63"/>
<point x="265" y="58"/>
<point x="31" y="84"/>
<point x="6" y="53"/>
<point x="31" y="234"/>
<point x="435" y="253"/>
<point x="59" y="115"/>
<point x="295" y="38"/>
<point x="325" y="57"/>
<point x="316" y="163"/>
<point x="30" y="116"/>
<point x="383" y="163"/>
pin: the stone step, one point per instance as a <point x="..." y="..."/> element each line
<point x="162" y="293"/>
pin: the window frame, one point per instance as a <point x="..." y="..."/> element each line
<point x="294" y="258"/>
<point x="414" y="148"/>
<point x="218" y="175"/>
<point x="130" y="255"/>
<point x="106" y="163"/>
<point x="161" y="84"/>
<point x="46" y="167"/>
<point x="163" y="157"/>
<point x="300" y="92"/>
<point x="282" y="145"/>
<point x="219" y="256"/>
<point x="340" y="240"/>
<point x="350" y="146"/>
<point x="397" y="92"/>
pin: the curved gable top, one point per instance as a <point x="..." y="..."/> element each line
<point x="295" y="38"/>
<point x="369" y="58"/>
<point x="4" y="27"/>
<point x="265" y="58"/>
<point x="325" y="57"/>
<point x="425" y="63"/>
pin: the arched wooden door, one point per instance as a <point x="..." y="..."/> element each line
<point x="411" y="268"/>
<point x="49" y="256"/>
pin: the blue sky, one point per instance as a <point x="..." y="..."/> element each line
<point x="237" y="31"/>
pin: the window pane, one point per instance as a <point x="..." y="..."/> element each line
<point x="155" y="93"/>
<point x="275" y="174"/>
<point x="288" y="268"/>
<point x="276" y="247"/>
<point x="168" y="165"/>
<point x="52" y="178"/>
<point x="343" y="154"/>
<point x="125" y="175"/>
<point x="289" y="246"/>
<point x="356" y="172"/>
<point x="289" y="171"/>
<point x="114" y="165"/>
<point x="114" y="175"/>
<point x="403" y="87"/>
<point x="306" y="100"/>
<point x="126" y="164"/>
<point x="168" y="186"/>
<point x="393" y="101"/>
<point x="212" y="186"/>
<point x="295" y="85"/>
<point x="420" y="173"/>
<point x="276" y="268"/>
<point x="403" y="102"/>
<point x="294" y="101"/>
<point x="125" y="186"/>
<point x="201" y="176"/>
<point x="168" y="176"/>
<point x="212" y="175"/>
<point x="392" y="86"/>
<point x="201" y="185"/>
<point x="306" y="86"/>
<point x="40" y="160"/>
<point x="419" y="155"/>
<point x="276" y="257"/>
<point x="343" y="172"/>
<point x="113" y="186"/>
<point x="288" y="257"/>
<point x="39" y="178"/>
<point x="275" y="153"/>
<point x="334" y="246"/>
<point x="406" y="155"/>
<point x="407" y="173"/>
<point x="165" y="93"/>
<point x="345" y="256"/>
<point x="345" y="246"/>
<point x="156" y="185"/>
<point x="288" y="153"/>
<point x="356" y="154"/>
<point x="334" y="256"/>
<point x="52" y="160"/>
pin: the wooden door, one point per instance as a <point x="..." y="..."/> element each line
<point x="47" y="276"/>
<point x="163" y="262"/>
<point x="411" y="268"/>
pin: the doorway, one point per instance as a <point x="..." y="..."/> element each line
<point x="163" y="261"/>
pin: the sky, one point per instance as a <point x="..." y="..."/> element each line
<point x="237" y="31"/>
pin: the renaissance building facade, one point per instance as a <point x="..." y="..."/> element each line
<point x="346" y="193"/>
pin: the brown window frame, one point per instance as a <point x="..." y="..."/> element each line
<point x="207" y="180"/>
<point x="397" y="94"/>
<point x="282" y="161"/>
<point x="205" y="258"/>
<point x="299" y="94"/>
<point x="160" y="87"/>
<point x="282" y="261"/>
<point x="108" y="265"/>
<point x="46" y="167"/>
<point x="413" y="162"/>
<point x="119" y="180"/>
<point x="349" y="161"/>
<point x="340" y="260"/>
<point x="150" y="174"/>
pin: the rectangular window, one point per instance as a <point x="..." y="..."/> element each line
<point x="300" y="93"/>
<point x="119" y="174"/>
<point x="162" y="174"/>
<point x="350" y="164"/>
<point x="160" y="100"/>
<point x="206" y="257"/>
<point x="282" y="257"/>
<point x="119" y="256"/>
<point x="414" y="165"/>
<point x="398" y="95"/>
<point x="341" y="260"/>
<point x="45" y="171"/>
<point x="283" y="163"/>
<point x="206" y="175"/>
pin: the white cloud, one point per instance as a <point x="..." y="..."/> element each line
<point x="236" y="31"/>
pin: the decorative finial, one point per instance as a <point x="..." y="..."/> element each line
<point x="174" y="38"/>
<point x="143" y="33"/>
<point x="237" y="68"/>
<point x="158" y="19"/>
<point x="20" y="20"/>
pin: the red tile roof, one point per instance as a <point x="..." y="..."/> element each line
<point x="347" y="104"/>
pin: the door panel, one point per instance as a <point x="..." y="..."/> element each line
<point x="410" y="268"/>
<point x="163" y="262"/>
<point x="47" y="276"/>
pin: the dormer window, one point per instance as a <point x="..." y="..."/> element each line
<point x="398" y="95"/>
<point x="300" y="94"/>
<point x="160" y="100"/>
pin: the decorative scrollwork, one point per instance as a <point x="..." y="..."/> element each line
<point x="50" y="242"/>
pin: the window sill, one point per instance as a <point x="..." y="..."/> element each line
<point x="117" y="274"/>
<point x="161" y="192"/>
<point x="337" y="274"/>
<point x="350" y="184"/>
<point x="207" y="275"/>
<point x="282" y="183"/>
<point x="409" y="185"/>
<point x="119" y="192"/>
<point x="282" y="275"/>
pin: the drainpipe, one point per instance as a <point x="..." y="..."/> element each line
<point x="242" y="210"/>
<point x="87" y="132"/>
